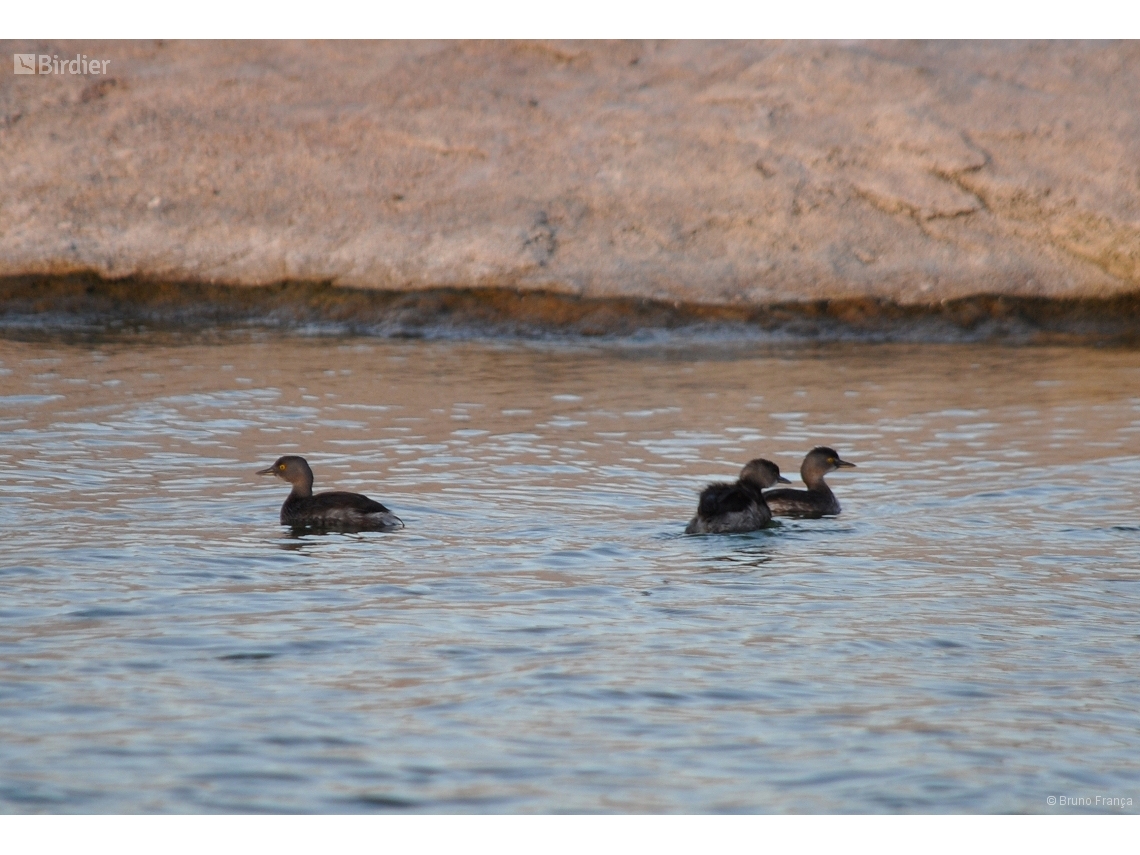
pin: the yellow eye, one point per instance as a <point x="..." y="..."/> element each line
<point x="282" y="467"/>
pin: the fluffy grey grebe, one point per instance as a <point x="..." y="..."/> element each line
<point x="727" y="508"/>
<point x="329" y="511"/>
<point x="817" y="500"/>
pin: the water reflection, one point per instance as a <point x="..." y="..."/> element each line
<point x="542" y="637"/>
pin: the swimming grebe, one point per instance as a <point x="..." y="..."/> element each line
<point x="735" y="507"/>
<point x="328" y="511"/>
<point x="817" y="500"/>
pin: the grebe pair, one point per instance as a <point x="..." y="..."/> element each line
<point x="743" y="506"/>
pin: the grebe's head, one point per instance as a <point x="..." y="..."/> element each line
<point x="290" y="468"/>
<point x="819" y="461"/>
<point x="762" y="472"/>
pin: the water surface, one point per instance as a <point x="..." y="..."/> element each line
<point x="541" y="637"/>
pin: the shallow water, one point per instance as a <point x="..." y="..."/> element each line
<point x="541" y="637"/>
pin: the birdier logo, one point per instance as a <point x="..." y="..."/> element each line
<point x="29" y="63"/>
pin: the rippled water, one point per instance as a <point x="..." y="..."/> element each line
<point x="541" y="637"/>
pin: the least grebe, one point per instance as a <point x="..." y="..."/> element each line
<point x="740" y="506"/>
<point x="817" y="500"/>
<point x="330" y="511"/>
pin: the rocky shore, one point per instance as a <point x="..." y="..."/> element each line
<point x="710" y="177"/>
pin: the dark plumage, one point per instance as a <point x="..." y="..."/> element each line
<point x="817" y="500"/>
<point x="737" y="507"/>
<point x="328" y="511"/>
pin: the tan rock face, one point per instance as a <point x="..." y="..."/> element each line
<point x="705" y="173"/>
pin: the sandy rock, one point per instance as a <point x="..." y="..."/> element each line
<point x="704" y="173"/>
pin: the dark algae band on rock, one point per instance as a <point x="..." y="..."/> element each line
<point x="85" y="301"/>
